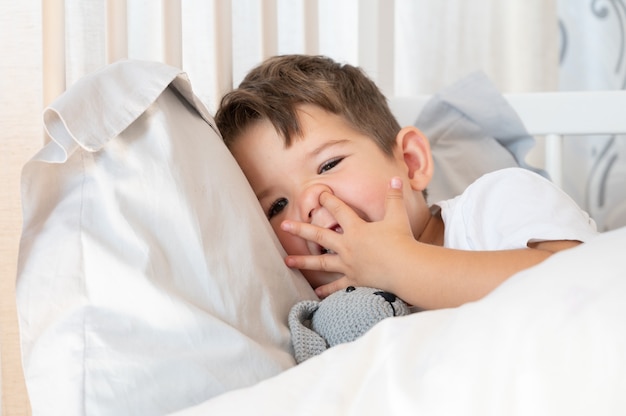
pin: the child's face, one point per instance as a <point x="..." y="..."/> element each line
<point x="331" y="156"/>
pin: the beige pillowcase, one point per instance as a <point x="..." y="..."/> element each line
<point x="149" y="279"/>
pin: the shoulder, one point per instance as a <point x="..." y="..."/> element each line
<point x="506" y="186"/>
<point x="509" y="176"/>
<point x="510" y="207"/>
<point x="516" y="193"/>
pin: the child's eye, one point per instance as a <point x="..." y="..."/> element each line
<point x="329" y="165"/>
<point x="276" y="207"/>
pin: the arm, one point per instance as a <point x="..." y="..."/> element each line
<point x="385" y="255"/>
<point x="435" y="277"/>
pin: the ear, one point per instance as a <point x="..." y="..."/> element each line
<point x="306" y="342"/>
<point x="417" y="156"/>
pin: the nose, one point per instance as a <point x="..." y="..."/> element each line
<point x="309" y="202"/>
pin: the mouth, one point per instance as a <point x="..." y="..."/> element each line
<point x="336" y="228"/>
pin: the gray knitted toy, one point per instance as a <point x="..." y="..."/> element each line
<point x="341" y="317"/>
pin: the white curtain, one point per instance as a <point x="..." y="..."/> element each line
<point x="593" y="57"/>
<point x="513" y="41"/>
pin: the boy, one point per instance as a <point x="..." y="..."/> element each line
<point x="344" y="188"/>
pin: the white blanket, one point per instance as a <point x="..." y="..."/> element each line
<point x="549" y="341"/>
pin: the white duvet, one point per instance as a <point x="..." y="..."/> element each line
<point x="549" y="341"/>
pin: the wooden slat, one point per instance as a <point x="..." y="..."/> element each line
<point x="172" y="33"/>
<point x="54" y="79"/>
<point x="269" y="28"/>
<point x="572" y="113"/>
<point x="376" y="42"/>
<point x="117" y="31"/>
<point x="566" y="113"/>
<point x="554" y="158"/>
<point x="311" y="27"/>
<point x="223" y="46"/>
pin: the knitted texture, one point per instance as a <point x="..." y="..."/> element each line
<point x="341" y="317"/>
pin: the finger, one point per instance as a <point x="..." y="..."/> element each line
<point x="339" y="209"/>
<point x="394" y="201"/>
<point x="322" y="236"/>
<point x="332" y="287"/>
<point x="324" y="262"/>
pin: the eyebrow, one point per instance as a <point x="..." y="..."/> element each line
<point x="263" y="194"/>
<point x="326" y="145"/>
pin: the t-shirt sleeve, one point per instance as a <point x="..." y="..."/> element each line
<point x="510" y="208"/>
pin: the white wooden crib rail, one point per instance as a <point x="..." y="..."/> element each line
<point x="550" y="114"/>
<point x="570" y="113"/>
<point x="216" y="41"/>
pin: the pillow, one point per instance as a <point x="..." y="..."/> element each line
<point x="149" y="278"/>
<point x="472" y="130"/>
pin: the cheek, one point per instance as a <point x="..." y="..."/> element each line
<point x="291" y="244"/>
<point x="366" y="197"/>
<point x="316" y="278"/>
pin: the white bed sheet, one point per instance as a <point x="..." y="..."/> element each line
<point x="549" y="341"/>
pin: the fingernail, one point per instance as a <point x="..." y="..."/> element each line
<point x="286" y="226"/>
<point x="396" y="183"/>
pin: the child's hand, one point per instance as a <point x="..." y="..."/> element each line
<point x="365" y="252"/>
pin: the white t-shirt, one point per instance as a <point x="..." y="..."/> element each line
<point x="509" y="208"/>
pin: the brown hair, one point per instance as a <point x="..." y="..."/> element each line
<point x="274" y="89"/>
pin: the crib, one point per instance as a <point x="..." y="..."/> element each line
<point x="190" y="347"/>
